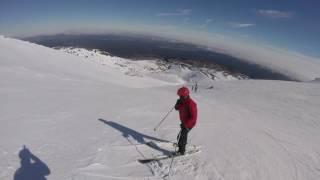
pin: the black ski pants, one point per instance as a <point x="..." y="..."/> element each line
<point x="182" y="139"/>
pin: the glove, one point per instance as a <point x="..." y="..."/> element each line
<point x="181" y="126"/>
<point x="177" y="103"/>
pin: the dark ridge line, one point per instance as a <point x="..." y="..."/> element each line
<point x="145" y="47"/>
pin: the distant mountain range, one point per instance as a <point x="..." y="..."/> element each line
<point x="145" y="47"/>
<point x="158" y="69"/>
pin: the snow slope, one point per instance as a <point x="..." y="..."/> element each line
<point x="82" y="120"/>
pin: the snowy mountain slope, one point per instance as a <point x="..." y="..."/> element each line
<point x="153" y="68"/>
<point x="74" y="67"/>
<point x="81" y="120"/>
<point x="316" y="80"/>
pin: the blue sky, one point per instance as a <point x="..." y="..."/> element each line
<point x="287" y="24"/>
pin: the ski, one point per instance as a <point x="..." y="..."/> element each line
<point x="155" y="144"/>
<point x="163" y="157"/>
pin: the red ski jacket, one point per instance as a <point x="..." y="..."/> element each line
<point x="188" y="112"/>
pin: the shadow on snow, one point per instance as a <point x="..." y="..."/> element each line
<point x="32" y="168"/>
<point x="139" y="137"/>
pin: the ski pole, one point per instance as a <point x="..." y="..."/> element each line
<point x="175" y="150"/>
<point x="163" y="119"/>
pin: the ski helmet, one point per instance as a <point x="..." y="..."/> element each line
<point x="184" y="92"/>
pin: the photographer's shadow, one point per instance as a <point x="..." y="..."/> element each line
<point x="32" y="168"/>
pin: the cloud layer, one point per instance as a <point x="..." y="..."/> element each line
<point x="240" y="25"/>
<point x="292" y="64"/>
<point x="271" y="13"/>
<point x="206" y="23"/>
<point x="178" y="12"/>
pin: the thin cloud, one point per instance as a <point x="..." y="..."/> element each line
<point x="241" y="25"/>
<point x="179" y="12"/>
<point x="271" y="13"/>
<point x="206" y="23"/>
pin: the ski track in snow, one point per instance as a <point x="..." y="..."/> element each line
<point x="84" y="120"/>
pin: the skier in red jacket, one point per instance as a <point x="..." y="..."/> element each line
<point x="188" y="116"/>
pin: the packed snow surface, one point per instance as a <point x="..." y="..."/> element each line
<point x="79" y="119"/>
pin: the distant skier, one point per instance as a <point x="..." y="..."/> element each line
<point x="196" y="87"/>
<point x="188" y="116"/>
